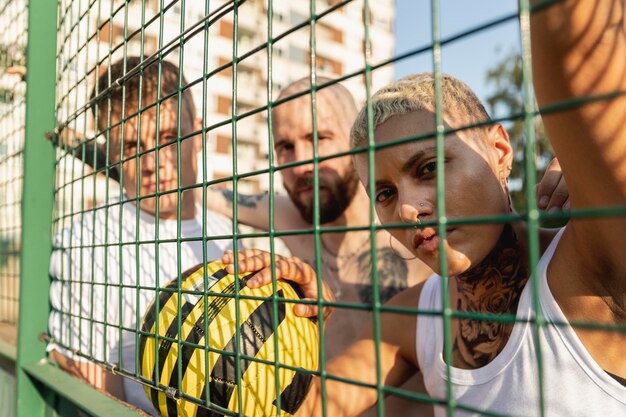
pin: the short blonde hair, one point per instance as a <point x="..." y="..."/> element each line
<point x="416" y="92"/>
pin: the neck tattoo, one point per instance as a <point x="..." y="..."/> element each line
<point x="494" y="286"/>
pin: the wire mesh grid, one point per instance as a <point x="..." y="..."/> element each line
<point x="14" y="17"/>
<point x="92" y="37"/>
<point x="131" y="193"/>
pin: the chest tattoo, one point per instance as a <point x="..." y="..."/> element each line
<point x="392" y="275"/>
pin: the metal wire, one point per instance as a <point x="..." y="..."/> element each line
<point x="92" y="35"/>
<point x="13" y="40"/>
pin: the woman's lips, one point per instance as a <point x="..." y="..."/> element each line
<point x="427" y="239"/>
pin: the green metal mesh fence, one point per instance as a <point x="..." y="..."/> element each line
<point x="13" y="19"/>
<point x="106" y="257"/>
<point x="14" y="15"/>
<point x="134" y="171"/>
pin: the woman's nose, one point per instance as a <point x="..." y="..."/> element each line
<point x="408" y="213"/>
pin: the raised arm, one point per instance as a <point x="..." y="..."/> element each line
<point x="579" y="50"/>
<point x="253" y="209"/>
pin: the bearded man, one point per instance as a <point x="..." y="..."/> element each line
<point x="343" y="203"/>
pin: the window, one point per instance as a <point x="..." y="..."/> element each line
<point x="298" y="54"/>
<point x="329" y="65"/>
<point x="296" y="18"/>
<point x="227" y="72"/>
<point x="329" y="33"/>
<point x="222" y="144"/>
<point x="224" y="105"/>
<point x="226" y="29"/>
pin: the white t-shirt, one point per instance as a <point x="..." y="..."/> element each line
<point x="104" y="272"/>
<point x="573" y="383"/>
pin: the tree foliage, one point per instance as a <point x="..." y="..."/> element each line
<point x="507" y="101"/>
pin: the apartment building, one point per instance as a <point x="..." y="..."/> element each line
<point x="212" y="39"/>
<point x="339" y="44"/>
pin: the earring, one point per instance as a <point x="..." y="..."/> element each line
<point x="396" y="253"/>
<point x="505" y="182"/>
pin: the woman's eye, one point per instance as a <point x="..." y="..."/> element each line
<point x="384" y="195"/>
<point x="427" y="169"/>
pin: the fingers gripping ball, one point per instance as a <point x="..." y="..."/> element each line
<point x="201" y="373"/>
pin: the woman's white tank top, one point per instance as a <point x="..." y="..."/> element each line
<point x="573" y="383"/>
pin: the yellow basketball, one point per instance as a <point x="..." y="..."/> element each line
<point x="204" y="368"/>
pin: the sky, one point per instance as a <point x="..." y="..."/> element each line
<point x="469" y="58"/>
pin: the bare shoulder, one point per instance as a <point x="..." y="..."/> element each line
<point x="398" y="318"/>
<point x="409" y="297"/>
<point x="399" y="326"/>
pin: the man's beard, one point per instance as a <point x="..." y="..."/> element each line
<point x="338" y="195"/>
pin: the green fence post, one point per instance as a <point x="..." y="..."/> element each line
<point x="37" y="200"/>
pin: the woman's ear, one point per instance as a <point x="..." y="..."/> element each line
<point x="501" y="142"/>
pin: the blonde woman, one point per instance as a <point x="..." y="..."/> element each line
<point x="578" y="51"/>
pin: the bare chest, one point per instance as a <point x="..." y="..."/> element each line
<point x="352" y="276"/>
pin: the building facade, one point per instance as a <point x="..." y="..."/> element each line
<point x="206" y="43"/>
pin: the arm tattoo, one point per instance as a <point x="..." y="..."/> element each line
<point x="246" y="200"/>
<point x="392" y="275"/>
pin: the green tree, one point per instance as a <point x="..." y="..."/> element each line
<point x="507" y="101"/>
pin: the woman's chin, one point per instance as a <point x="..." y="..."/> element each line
<point x="456" y="264"/>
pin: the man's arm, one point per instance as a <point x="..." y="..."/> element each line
<point x="91" y="373"/>
<point x="358" y="363"/>
<point x="253" y="209"/>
